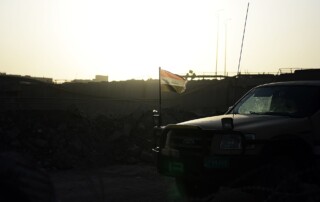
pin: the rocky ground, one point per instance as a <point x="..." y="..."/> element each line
<point x="141" y="183"/>
<point x="89" y="158"/>
<point x="103" y="158"/>
<point x="115" y="183"/>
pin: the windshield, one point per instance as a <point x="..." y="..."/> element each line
<point x="296" y="101"/>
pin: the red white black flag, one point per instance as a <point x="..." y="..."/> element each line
<point x="172" y="82"/>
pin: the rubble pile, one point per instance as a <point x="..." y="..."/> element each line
<point x="69" y="139"/>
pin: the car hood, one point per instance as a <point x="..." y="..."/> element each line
<point x="253" y="123"/>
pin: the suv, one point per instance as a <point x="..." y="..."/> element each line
<point x="276" y="123"/>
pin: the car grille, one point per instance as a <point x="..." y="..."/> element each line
<point x="190" y="140"/>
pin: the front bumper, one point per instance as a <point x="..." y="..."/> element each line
<point x="190" y="152"/>
<point x="203" y="168"/>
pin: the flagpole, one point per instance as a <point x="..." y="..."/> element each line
<point x="160" y="114"/>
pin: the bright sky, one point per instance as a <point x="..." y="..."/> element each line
<point x="131" y="39"/>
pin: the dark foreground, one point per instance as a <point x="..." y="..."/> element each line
<point x="142" y="183"/>
<point x="114" y="183"/>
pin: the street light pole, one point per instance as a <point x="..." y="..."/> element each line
<point x="225" y="47"/>
<point x="217" y="48"/>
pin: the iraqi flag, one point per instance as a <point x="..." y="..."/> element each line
<point x="172" y="82"/>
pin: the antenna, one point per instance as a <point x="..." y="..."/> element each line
<point x="244" y="31"/>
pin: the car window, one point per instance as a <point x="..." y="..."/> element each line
<point x="257" y="104"/>
<point x="280" y="100"/>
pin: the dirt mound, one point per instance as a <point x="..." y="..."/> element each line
<point x="69" y="139"/>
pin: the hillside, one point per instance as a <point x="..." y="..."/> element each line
<point x="79" y="125"/>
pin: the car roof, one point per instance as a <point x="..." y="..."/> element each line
<point x="293" y="83"/>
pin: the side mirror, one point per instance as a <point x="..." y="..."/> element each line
<point x="227" y="123"/>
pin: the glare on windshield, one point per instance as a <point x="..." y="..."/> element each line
<point x="280" y="100"/>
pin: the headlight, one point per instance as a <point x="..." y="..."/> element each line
<point x="230" y="142"/>
<point x="233" y="141"/>
<point x="250" y="137"/>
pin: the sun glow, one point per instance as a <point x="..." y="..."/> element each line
<point x="124" y="39"/>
